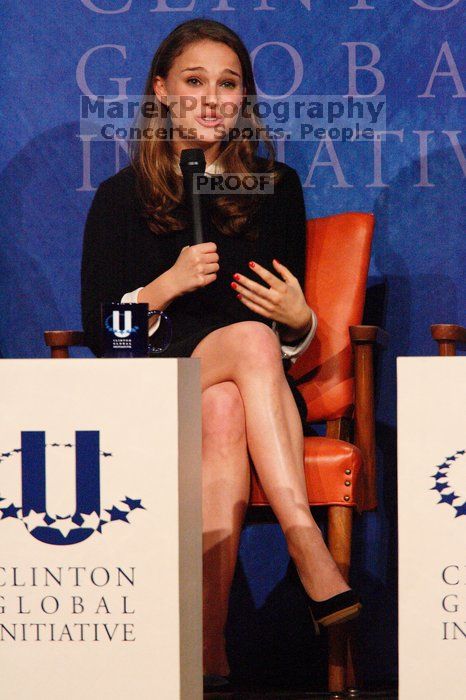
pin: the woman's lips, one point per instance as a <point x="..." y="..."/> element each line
<point x="209" y="122"/>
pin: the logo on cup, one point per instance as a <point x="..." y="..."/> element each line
<point x="112" y="324"/>
<point x="125" y="329"/>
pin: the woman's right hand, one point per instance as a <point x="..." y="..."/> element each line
<point x="196" y="266"/>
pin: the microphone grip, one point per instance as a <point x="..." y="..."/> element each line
<point x="197" y="218"/>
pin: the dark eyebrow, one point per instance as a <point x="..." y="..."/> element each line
<point x="226" y="70"/>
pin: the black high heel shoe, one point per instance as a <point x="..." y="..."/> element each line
<point x="335" y="610"/>
<point x="332" y="611"/>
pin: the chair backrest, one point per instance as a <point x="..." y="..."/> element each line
<point x="337" y="263"/>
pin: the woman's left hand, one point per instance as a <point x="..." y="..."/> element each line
<point x="283" y="301"/>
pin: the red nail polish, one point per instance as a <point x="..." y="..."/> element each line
<point x="234" y="285"/>
<point x="236" y="276"/>
<point x="251" y="264"/>
<point x="239" y="296"/>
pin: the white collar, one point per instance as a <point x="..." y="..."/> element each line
<point x="214" y="168"/>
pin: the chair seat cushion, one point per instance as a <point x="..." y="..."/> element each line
<point x="332" y="469"/>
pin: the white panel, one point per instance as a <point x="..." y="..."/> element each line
<point x="432" y="526"/>
<point x="135" y="406"/>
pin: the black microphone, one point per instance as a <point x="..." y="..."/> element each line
<point x="192" y="162"/>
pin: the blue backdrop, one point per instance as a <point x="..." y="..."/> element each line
<point x="412" y="53"/>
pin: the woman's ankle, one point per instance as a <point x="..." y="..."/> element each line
<point x="326" y="584"/>
<point x="319" y="574"/>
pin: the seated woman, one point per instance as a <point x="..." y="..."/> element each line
<point x="236" y="301"/>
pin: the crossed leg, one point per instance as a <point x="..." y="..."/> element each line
<point x="225" y="496"/>
<point x="247" y="355"/>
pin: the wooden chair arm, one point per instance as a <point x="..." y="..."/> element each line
<point x="447" y="336"/>
<point x="363" y="340"/>
<point x="60" y="341"/>
<point x="369" y="334"/>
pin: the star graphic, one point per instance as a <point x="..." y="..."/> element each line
<point x="447" y="498"/>
<point x="439" y="487"/>
<point x="91" y="520"/>
<point x="451" y="459"/>
<point x="64" y="524"/>
<point x="17" y="449"/>
<point x="132" y="503"/>
<point x="461" y="452"/>
<point x="116" y="514"/>
<point x="107" y="454"/>
<point x="34" y="519"/>
<point x="10" y="512"/>
<point x="55" y="444"/>
<point x="68" y="444"/>
<point x="439" y="475"/>
<point x="460" y="510"/>
<point x="6" y="454"/>
<point x="443" y="466"/>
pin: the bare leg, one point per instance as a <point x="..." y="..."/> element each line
<point x="225" y="496"/>
<point x="248" y="353"/>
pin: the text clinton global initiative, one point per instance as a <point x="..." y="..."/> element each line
<point x="73" y="576"/>
<point x="38" y="593"/>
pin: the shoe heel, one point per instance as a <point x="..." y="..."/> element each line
<point x="316" y="624"/>
<point x="336" y="610"/>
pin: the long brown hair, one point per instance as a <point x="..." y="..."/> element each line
<point x="160" y="186"/>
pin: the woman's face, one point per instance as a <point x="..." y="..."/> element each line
<point x="204" y="91"/>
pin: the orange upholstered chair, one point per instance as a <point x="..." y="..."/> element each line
<point x="335" y="377"/>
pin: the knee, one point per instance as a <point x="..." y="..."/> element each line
<point x="257" y="345"/>
<point x="223" y="418"/>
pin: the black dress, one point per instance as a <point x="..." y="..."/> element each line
<point x="120" y="254"/>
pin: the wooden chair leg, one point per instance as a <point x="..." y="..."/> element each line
<point x="340" y="520"/>
<point x="350" y="675"/>
<point x="337" y="659"/>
